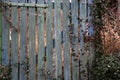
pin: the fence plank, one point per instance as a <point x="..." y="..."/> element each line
<point x="0" y="35"/>
<point x="57" y="21"/>
<point x="83" y="54"/>
<point x="41" y="53"/>
<point x="66" y="40"/>
<point x="32" y="1"/>
<point x="23" y="60"/>
<point x="49" y="47"/>
<point x="14" y="42"/>
<point x="119" y="9"/>
<point x="91" y="34"/>
<point x="5" y="39"/>
<point x="32" y="54"/>
<point x="75" y="66"/>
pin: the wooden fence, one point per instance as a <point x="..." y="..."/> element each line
<point x="0" y="34"/>
<point x="45" y="40"/>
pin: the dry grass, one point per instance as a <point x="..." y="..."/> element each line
<point x="110" y="35"/>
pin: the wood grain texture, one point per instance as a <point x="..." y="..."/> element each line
<point x="75" y="66"/>
<point x="66" y="40"/>
<point x="119" y="8"/>
<point x="49" y="47"/>
<point x="41" y="53"/>
<point x="5" y="39"/>
<point x="22" y="4"/>
<point x="31" y="1"/>
<point x="23" y="63"/>
<point x="90" y="44"/>
<point x="14" y="47"/>
<point x="83" y="53"/>
<point x="32" y="54"/>
<point x="57" y="21"/>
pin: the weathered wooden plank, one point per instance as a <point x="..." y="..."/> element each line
<point x="57" y="21"/>
<point x="49" y="46"/>
<point x="32" y="1"/>
<point x="41" y="53"/>
<point x="23" y="60"/>
<point x="119" y="9"/>
<point x="90" y="44"/>
<point x="14" y="42"/>
<point x="75" y="67"/>
<point x="32" y="54"/>
<point x="5" y="39"/>
<point x="0" y="35"/>
<point x="66" y="40"/>
<point x="16" y="1"/>
<point x="90" y="29"/>
<point x="83" y="53"/>
<point x="10" y="0"/>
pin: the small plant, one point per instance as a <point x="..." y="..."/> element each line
<point x="106" y="67"/>
<point x="5" y="72"/>
<point x="104" y="13"/>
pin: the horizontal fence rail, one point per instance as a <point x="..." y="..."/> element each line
<point x="44" y="40"/>
<point x="5" y="3"/>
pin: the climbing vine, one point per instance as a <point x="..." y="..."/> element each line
<point x="105" y="21"/>
<point x="5" y="72"/>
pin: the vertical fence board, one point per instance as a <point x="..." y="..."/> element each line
<point x="23" y="62"/>
<point x="57" y="21"/>
<point x="75" y="67"/>
<point x="49" y="47"/>
<point x="32" y="55"/>
<point x="91" y="34"/>
<point x="119" y="9"/>
<point x="0" y="35"/>
<point x="5" y="39"/>
<point x="14" y="42"/>
<point x="91" y="31"/>
<point x="32" y="1"/>
<point x="41" y="53"/>
<point x="66" y="40"/>
<point x="83" y="54"/>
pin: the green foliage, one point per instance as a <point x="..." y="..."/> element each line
<point x="5" y="72"/>
<point x="106" y="68"/>
<point x="97" y="12"/>
<point x="101" y="7"/>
